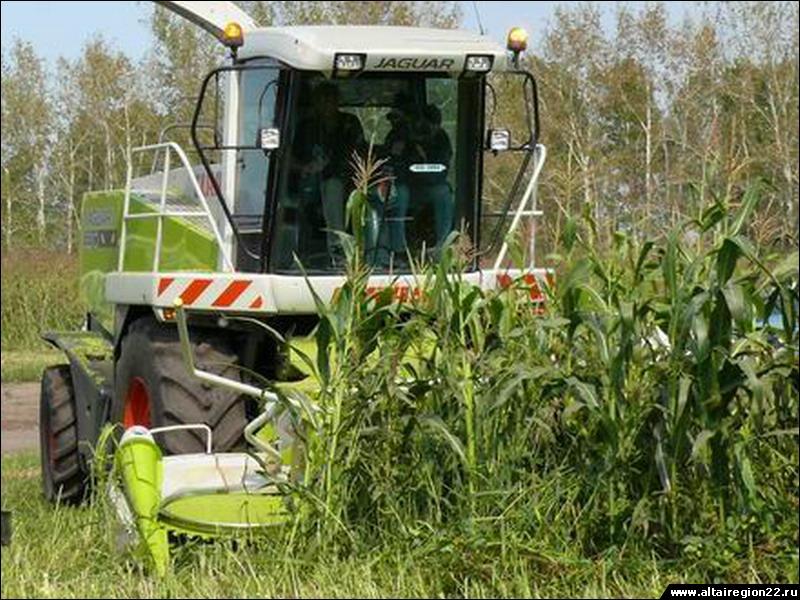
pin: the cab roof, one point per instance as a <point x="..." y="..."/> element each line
<point x="313" y="47"/>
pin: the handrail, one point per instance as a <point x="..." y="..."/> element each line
<point x="168" y="147"/>
<point x="532" y="213"/>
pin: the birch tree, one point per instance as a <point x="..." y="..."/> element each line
<point x="26" y="141"/>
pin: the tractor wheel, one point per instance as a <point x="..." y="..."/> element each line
<point x="64" y="477"/>
<point x="154" y="388"/>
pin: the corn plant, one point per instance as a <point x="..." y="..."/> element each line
<point x="647" y="403"/>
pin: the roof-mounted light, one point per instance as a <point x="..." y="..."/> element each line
<point x="517" y="40"/>
<point x="349" y="62"/>
<point x="478" y="63"/>
<point x="232" y="35"/>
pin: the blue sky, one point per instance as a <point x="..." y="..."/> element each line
<point x="61" y="28"/>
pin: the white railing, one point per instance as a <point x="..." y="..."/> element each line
<point x="168" y="148"/>
<point x="527" y="207"/>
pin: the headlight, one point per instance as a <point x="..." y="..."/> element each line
<point x="348" y="62"/>
<point x="479" y="63"/>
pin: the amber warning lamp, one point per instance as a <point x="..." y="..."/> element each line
<point x="232" y="35"/>
<point x="517" y="42"/>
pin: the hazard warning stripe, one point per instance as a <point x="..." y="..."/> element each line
<point x="193" y="291"/>
<point x="164" y="283"/>
<point x="231" y="293"/>
<point x="213" y="293"/>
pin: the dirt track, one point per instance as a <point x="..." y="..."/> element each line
<point x="19" y="417"/>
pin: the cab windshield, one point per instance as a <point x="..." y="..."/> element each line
<point x="425" y="129"/>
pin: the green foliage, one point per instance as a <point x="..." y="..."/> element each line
<point x="646" y="406"/>
<point x="649" y="122"/>
<point x="640" y="428"/>
<point x="70" y="552"/>
<point x="27" y="365"/>
<point x="40" y="293"/>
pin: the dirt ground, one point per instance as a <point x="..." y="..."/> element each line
<point x="19" y="417"/>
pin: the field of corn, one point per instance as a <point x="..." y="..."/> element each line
<point x="638" y="428"/>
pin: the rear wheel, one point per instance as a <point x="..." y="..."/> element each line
<point x="64" y="477"/>
<point x="154" y="388"/>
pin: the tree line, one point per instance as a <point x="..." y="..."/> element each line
<point x="647" y="121"/>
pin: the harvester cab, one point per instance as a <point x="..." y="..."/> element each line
<point x="246" y="238"/>
<point x="277" y="131"/>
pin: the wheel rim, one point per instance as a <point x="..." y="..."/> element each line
<point x="137" y="404"/>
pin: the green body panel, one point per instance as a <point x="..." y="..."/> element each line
<point x="138" y="462"/>
<point x="217" y="512"/>
<point x="185" y="246"/>
<point x="101" y="214"/>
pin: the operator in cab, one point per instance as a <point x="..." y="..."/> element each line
<point x="323" y="147"/>
<point x="431" y="183"/>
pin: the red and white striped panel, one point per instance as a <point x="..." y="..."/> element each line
<point x="238" y="293"/>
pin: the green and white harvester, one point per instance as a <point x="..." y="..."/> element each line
<point x="182" y="269"/>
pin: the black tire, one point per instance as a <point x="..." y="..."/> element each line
<point x="151" y="353"/>
<point x="64" y="476"/>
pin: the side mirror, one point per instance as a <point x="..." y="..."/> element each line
<point x="269" y="138"/>
<point x="498" y="140"/>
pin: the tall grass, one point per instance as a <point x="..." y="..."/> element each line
<point x="646" y="409"/>
<point x="67" y="552"/>
<point x="39" y="293"/>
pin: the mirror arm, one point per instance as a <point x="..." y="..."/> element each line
<point x="533" y="123"/>
<point x="512" y="193"/>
